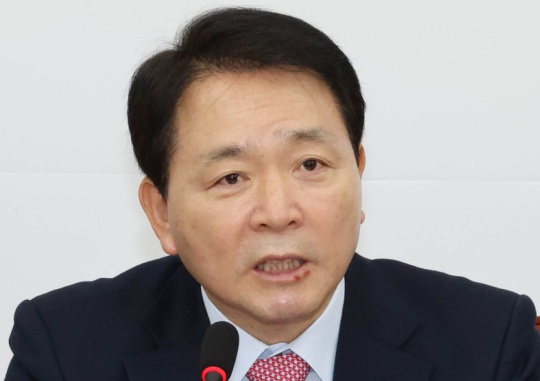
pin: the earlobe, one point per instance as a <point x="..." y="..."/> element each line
<point x="361" y="159"/>
<point x="155" y="207"/>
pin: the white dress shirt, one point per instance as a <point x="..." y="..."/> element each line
<point x="317" y="344"/>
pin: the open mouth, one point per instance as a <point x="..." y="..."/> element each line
<point x="280" y="265"/>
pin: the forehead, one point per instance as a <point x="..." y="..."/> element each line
<point x="245" y="106"/>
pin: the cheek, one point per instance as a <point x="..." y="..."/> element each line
<point x="343" y="204"/>
<point x="338" y="224"/>
<point x="198" y="244"/>
<point x="203" y="229"/>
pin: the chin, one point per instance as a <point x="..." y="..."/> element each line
<point x="286" y="313"/>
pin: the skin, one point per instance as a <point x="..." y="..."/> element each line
<point x="264" y="171"/>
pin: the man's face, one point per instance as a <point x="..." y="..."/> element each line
<point x="264" y="196"/>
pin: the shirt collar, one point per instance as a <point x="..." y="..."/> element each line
<point x="317" y="344"/>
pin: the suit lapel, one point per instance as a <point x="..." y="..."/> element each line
<point x="376" y="323"/>
<point x="177" y="322"/>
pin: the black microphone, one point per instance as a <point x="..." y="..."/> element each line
<point x="218" y="352"/>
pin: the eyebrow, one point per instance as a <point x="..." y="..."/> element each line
<point x="317" y="135"/>
<point x="224" y="152"/>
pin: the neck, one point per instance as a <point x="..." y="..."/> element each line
<point x="271" y="334"/>
<point x="270" y="330"/>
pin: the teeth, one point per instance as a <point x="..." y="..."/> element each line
<point x="273" y="265"/>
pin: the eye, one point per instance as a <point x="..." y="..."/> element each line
<point x="310" y="164"/>
<point x="231" y="179"/>
<point x="230" y="183"/>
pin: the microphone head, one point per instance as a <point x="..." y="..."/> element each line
<point x="219" y="347"/>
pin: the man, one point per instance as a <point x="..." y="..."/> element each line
<point x="249" y="132"/>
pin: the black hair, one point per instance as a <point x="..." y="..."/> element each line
<point x="231" y="40"/>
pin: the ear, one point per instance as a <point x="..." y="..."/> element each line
<point x="155" y="207"/>
<point x="361" y="159"/>
<point x="361" y="166"/>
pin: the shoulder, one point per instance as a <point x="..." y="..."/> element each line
<point x="437" y="290"/>
<point x="144" y="280"/>
<point x="96" y="322"/>
<point x="486" y="329"/>
<point x="118" y="300"/>
<point x="445" y="305"/>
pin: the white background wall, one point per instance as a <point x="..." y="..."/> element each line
<point x="452" y="135"/>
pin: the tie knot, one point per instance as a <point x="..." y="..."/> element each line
<point x="287" y="367"/>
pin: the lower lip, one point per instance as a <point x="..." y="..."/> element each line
<point x="285" y="276"/>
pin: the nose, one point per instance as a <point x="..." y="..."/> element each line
<point x="276" y="205"/>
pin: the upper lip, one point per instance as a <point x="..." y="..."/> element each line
<point x="277" y="257"/>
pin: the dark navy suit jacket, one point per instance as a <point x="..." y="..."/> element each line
<point x="399" y="323"/>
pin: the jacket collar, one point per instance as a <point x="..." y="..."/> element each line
<point x="177" y="321"/>
<point x="376" y="323"/>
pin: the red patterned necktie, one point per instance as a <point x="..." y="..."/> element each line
<point x="287" y="367"/>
